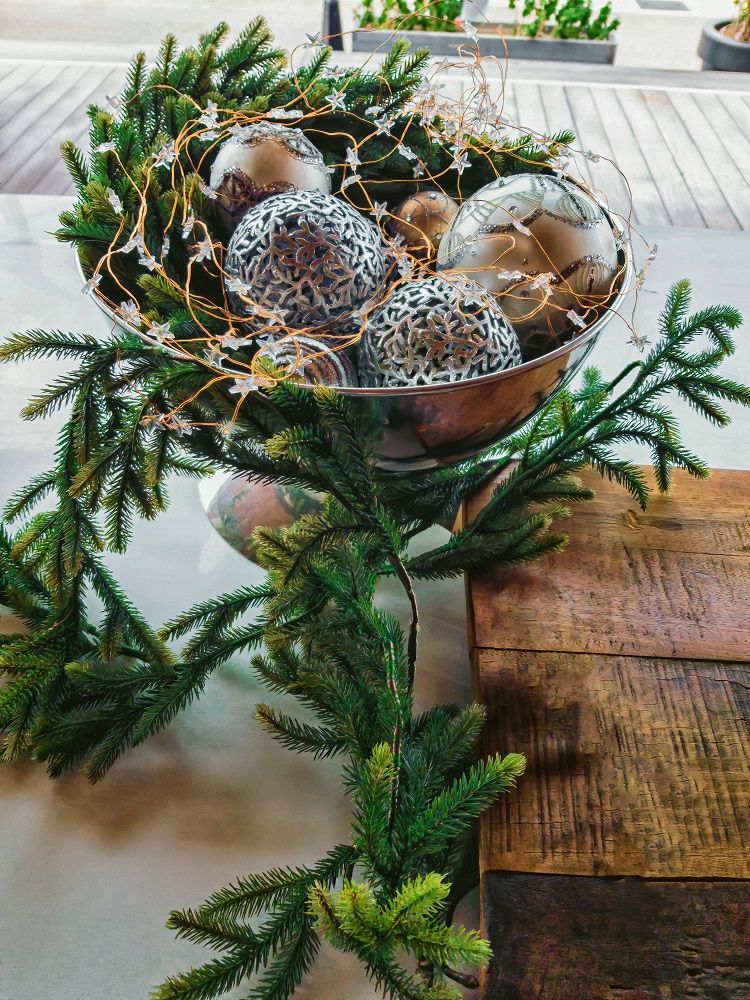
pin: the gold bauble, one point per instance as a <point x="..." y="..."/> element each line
<point x="422" y="219"/>
<point x="544" y="247"/>
<point x="261" y="160"/>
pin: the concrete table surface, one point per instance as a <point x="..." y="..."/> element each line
<point x="89" y="874"/>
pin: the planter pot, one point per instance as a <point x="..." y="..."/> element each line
<point x="446" y="43"/>
<point x="720" y="52"/>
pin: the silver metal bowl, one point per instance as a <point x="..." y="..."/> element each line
<point x="428" y="426"/>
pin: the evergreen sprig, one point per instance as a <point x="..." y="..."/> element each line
<point x="81" y="690"/>
<point x="249" y="75"/>
<point x="81" y="687"/>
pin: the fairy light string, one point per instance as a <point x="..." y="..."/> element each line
<point x="456" y="130"/>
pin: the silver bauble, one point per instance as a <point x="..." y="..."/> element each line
<point x="311" y="361"/>
<point x="307" y="259"/>
<point x="544" y="247"/>
<point x="435" y="331"/>
<point x="261" y="160"/>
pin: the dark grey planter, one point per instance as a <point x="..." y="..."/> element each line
<point x="722" y="53"/>
<point x="446" y="43"/>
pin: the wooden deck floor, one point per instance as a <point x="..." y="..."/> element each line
<point x="684" y="147"/>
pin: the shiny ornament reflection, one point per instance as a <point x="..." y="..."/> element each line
<point x="435" y="331"/>
<point x="262" y="160"/>
<point x="302" y="261"/>
<point x="421" y="220"/>
<point x="544" y="247"/>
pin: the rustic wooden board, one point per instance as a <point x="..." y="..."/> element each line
<point x="672" y="582"/>
<point x="621" y="669"/>
<point x="635" y="766"/>
<point x="568" y="938"/>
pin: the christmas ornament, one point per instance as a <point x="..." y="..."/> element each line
<point x="435" y="331"/>
<point x="544" y="247"/>
<point x="304" y="260"/>
<point x="261" y="160"/>
<point x="422" y="219"/>
<point x="314" y="362"/>
<point x="239" y="507"/>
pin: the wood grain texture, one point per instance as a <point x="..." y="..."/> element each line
<point x="561" y="938"/>
<point x="672" y="582"/>
<point x="635" y="766"/>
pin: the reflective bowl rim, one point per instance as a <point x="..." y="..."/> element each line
<point x="440" y="387"/>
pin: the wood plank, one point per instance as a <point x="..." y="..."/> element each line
<point x="6" y="71"/>
<point x="557" y="938"/>
<point x="39" y="139"/>
<point x="677" y="199"/>
<point x="40" y="95"/>
<point x="739" y="112"/>
<point x="560" y="116"/>
<point x="531" y="114"/>
<point x="56" y="179"/>
<point x="509" y="104"/>
<point x="606" y="177"/>
<point x="669" y="582"/>
<point x="43" y="155"/>
<point x="13" y="93"/>
<point x="736" y="140"/>
<point x="648" y="206"/>
<point x="728" y="177"/>
<point x="696" y="174"/>
<point x="635" y="766"/>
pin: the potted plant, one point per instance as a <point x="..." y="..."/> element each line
<point x="568" y="30"/>
<point x="725" y="45"/>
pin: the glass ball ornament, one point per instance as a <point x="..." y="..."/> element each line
<point x="261" y="160"/>
<point x="305" y="261"/>
<point x="238" y="507"/>
<point x="435" y="331"/>
<point x="544" y="247"/>
<point x="311" y="361"/>
<point x="421" y="220"/>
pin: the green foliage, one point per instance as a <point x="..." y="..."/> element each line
<point x="565" y="19"/>
<point x="742" y="21"/>
<point x="81" y="690"/>
<point x="410" y="15"/>
<point x="250" y="75"/>
<point x="81" y="687"/>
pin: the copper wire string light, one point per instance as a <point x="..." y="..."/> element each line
<point x="475" y="120"/>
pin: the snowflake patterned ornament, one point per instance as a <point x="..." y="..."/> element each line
<point x="432" y="332"/>
<point x="306" y="257"/>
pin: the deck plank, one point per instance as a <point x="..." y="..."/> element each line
<point x="28" y="120"/>
<point x="31" y="161"/>
<point x="714" y="208"/>
<point x="648" y="206"/>
<point x="677" y="198"/>
<point x="530" y="108"/>
<point x="682" y="144"/>
<point x="592" y="133"/>
<point x="739" y="144"/>
<point x="560" y="114"/>
<point x="727" y="175"/>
